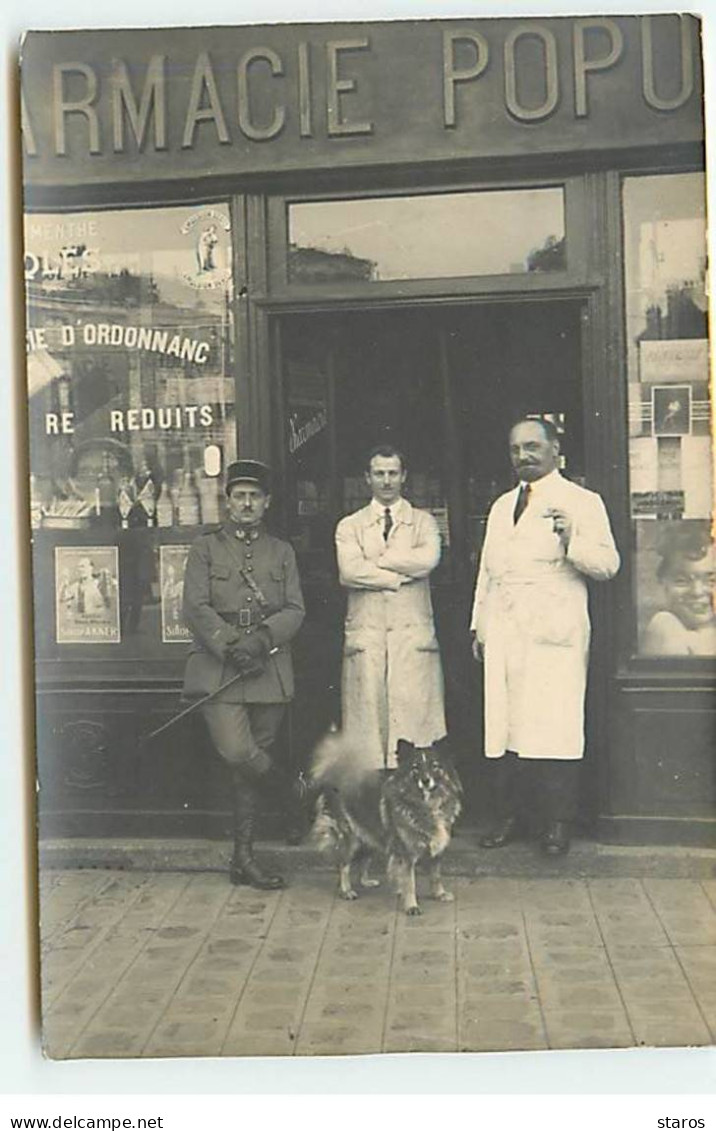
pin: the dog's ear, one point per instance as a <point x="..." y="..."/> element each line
<point x="442" y="746"/>
<point x="404" y="749"/>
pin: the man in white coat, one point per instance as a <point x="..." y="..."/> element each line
<point x="530" y="624"/>
<point x="392" y="683"/>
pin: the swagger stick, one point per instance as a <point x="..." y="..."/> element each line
<point x="199" y="703"/>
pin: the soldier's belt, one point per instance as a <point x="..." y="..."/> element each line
<point x="244" y="618"/>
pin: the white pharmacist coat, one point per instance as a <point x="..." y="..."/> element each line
<point x="392" y="683"/>
<point x="530" y="614"/>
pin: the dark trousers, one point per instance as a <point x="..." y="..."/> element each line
<point x="536" y="789"/>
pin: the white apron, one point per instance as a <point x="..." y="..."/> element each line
<point x="392" y="683"/>
<point x="531" y="616"/>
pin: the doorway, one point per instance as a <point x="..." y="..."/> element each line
<point x="442" y="383"/>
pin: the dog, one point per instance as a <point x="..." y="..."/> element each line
<point x="404" y="815"/>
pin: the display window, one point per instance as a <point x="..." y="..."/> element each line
<point x="131" y="410"/>
<point x="670" y="452"/>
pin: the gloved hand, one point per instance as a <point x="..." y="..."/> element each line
<point x="249" y="654"/>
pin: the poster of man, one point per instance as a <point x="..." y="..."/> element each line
<point x="86" y="595"/>
<point x="172" y="563"/>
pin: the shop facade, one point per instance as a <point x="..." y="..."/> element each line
<point x="292" y="242"/>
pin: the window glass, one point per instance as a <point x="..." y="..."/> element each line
<point x="131" y="412"/>
<point x="446" y="235"/>
<point x="669" y="432"/>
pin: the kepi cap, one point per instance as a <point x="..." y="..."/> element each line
<point x="249" y="471"/>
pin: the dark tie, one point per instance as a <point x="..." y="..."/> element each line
<point x="387" y="523"/>
<point x="522" y="500"/>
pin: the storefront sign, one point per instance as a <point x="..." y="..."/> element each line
<point x="125" y="106"/>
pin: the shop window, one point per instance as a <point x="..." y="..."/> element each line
<point x="131" y="415"/>
<point x="669" y="430"/>
<point x="434" y="236"/>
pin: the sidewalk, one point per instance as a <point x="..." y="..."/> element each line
<point x="172" y="963"/>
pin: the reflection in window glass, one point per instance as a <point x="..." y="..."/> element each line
<point x="669" y="431"/>
<point x="427" y="237"/>
<point x="130" y="381"/>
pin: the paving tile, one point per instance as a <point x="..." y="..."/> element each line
<point x="63" y="898"/>
<point x="414" y="1042"/>
<point x="668" y="1031"/>
<point x="570" y="963"/>
<point x="326" y="1039"/>
<point x="502" y="1006"/>
<point x="584" y="1029"/>
<point x="686" y="913"/>
<point x="553" y="895"/>
<point x="497" y="1035"/>
<point x="709" y="887"/>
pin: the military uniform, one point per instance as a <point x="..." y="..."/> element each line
<point x="235" y="583"/>
<point x="243" y="604"/>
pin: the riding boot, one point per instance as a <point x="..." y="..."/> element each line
<point x="243" y="868"/>
<point x="291" y="793"/>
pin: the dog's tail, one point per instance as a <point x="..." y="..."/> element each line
<point x="336" y="763"/>
<point x="325" y="834"/>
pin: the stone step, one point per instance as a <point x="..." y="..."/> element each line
<point x="464" y="857"/>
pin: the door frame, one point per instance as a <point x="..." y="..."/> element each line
<point x="605" y="472"/>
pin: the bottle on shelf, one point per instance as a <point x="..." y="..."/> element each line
<point x="145" y="490"/>
<point x="188" y="500"/>
<point x="165" y="507"/>
<point x="125" y="501"/>
<point x="105" y="494"/>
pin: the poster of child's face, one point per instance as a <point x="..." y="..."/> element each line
<point x="671" y="410"/>
<point x="172" y="563"/>
<point x="87" y="595"/>
<point x="676" y="588"/>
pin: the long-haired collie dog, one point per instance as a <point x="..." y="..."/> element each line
<point x="405" y="814"/>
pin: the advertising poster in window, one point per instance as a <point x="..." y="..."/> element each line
<point x="172" y="563"/>
<point x="87" y="595"/>
<point x="676" y="586"/>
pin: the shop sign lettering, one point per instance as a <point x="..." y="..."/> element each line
<point x="203" y="91"/>
<point x="299" y="433"/>
<point x="141" y="419"/>
<point x="151" y="338"/>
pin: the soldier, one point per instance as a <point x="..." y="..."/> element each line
<point x="243" y="604"/>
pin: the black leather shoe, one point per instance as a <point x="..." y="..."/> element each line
<point x="250" y="874"/>
<point x="555" y="841"/>
<point x="501" y="834"/>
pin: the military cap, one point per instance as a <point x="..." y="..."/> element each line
<point x="248" y="471"/>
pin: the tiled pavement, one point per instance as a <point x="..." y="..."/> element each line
<point x="175" y="964"/>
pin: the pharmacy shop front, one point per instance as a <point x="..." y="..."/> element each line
<point x="292" y="242"/>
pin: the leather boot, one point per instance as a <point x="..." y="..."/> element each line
<point x="555" y="840"/>
<point x="501" y="834"/>
<point x="292" y="794"/>
<point x="243" y="868"/>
